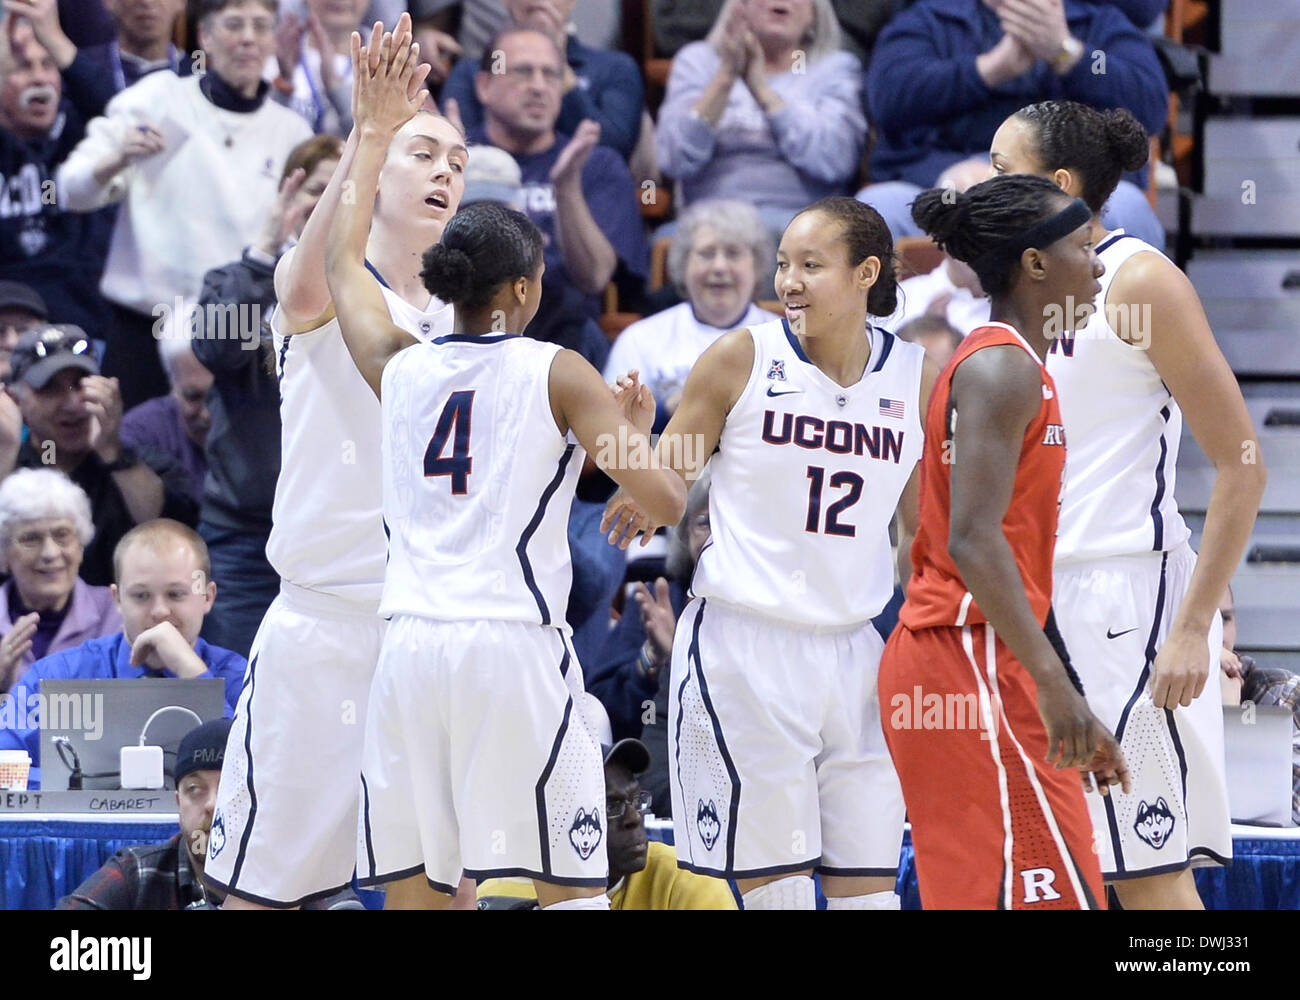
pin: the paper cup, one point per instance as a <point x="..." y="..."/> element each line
<point x="14" y="765"/>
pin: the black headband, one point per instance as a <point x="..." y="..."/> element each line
<point x="1043" y="234"/>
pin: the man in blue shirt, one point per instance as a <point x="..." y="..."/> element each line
<point x="163" y="591"/>
<point x="604" y="87"/>
<point x="579" y="193"/>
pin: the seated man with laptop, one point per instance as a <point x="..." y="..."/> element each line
<point x="156" y="566"/>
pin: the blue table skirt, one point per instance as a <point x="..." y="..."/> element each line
<point x="42" y="861"/>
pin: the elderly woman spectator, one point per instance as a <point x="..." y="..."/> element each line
<point x="718" y="257"/>
<point x="630" y="674"/>
<point x="767" y="109"/>
<point x="44" y="527"/>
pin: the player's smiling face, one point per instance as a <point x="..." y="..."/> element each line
<point x="424" y="174"/>
<point x="814" y="279"/>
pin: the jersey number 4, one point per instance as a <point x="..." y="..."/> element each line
<point x="817" y="477"/>
<point x="453" y="426"/>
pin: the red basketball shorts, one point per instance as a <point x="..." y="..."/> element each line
<point x="993" y="825"/>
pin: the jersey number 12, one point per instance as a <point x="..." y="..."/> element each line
<point x="453" y="425"/>
<point x="817" y="477"/>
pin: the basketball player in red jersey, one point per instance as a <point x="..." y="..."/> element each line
<point x="996" y="803"/>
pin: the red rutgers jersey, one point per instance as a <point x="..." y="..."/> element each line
<point x="936" y="594"/>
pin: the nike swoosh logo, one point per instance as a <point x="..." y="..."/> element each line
<point x="1047" y="393"/>
<point x="1116" y="635"/>
<point x="788" y="392"/>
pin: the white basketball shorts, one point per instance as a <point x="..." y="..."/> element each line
<point x="776" y="754"/>
<point x="478" y="758"/>
<point x="1114" y="615"/>
<point x="284" y="829"/>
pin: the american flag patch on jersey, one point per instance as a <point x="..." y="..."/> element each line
<point x="891" y="408"/>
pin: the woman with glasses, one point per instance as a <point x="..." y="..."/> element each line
<point x="44" y="606"/>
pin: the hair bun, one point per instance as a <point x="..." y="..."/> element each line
<point x="1127" y="139"/>
<point x="448" y="272"/>
<point x="941" y="212"/>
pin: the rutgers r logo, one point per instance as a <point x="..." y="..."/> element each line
<point x="1055" y="434"/>
<point x="1038" y="884"/>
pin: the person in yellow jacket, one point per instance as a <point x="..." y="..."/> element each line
<point x="643" y="874"/>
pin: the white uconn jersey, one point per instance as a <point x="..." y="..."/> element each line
<point x="805" y="482"/>
<point x="327" y="534"/>
<point x="1122" y="427"/>
<point x="478" y="483"/>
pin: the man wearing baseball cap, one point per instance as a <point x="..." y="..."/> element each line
<point x="643" y="874"/>
<point x="166" y="876"/>
<point x="73" y="416"/>
<point x="169" y="876"/>
<point x="21" y="309"/>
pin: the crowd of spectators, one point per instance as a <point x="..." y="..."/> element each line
<point x="157" y="157"/>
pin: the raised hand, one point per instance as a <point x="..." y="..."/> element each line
<point x="288" y="44"/>
<point x="1038" y="24"/>
<point x="104" y="404"/>
<point x="568" y="166"/>
<point x="286" y="215"/>
<point x="13" y="647"/>
<point x="440" y="49"/>
<point x="389" y="79"/>
<point x="657" y="618"/>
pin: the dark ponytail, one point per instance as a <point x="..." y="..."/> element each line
<point x="1098" y="146"/>
<point x="967" y="225"/>
<point x="866" y="235"/>
<point x="484" y="246"/>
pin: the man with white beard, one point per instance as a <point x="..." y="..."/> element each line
<point x="59" y="254"/>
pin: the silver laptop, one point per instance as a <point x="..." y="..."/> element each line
<point x="1257" y="743"/>
<point x="85" y="724"/>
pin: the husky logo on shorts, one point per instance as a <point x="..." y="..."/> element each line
<point x="217" y="835"/>
<point x="1154" y="823"/>
<point x="777" y="372"/>
<point x="706" y="820"/>
<point x="584" y="834"/>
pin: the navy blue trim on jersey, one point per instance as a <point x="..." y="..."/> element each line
<point x="858" y="872"/>
<point x="733" y="873"/>
<point x="284" y="353"/>
<point x="365" y="815"/>
<point x="1157" y="519"/>
<point x="569" y="654"/>
<point x="1111" y="240"/>
<point x="733" y="813"/>
<point x="521" y="550"/>
<point x="543" y="825"/>
<point x="248" y="777"/>
<point x="274" y="904"/>
<point x="474" y="338"/>
<point x="1121" y="870"/>
<point x="484" y="873"/>
<point x="378" y="277"/>
<point x="794" y="342"/>
<point x="886" y="345"/>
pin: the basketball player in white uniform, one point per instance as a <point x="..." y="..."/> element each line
<point x="476" y="756"/>
<point x="778" y="760"/>
<point x="1137" y="608"/>
<point x="285" y="823"/>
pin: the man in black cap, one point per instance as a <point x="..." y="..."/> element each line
<point x="166" y="876"/>
<point x="21" y="309"/>
<point x="643" y="874"/>
<point x="73" y="415"/>
<point x="169" y="876"/>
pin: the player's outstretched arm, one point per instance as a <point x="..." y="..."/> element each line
<point x="615" y="431"/>
<point x="388" y="93"/>
<point x="688" y="442"/>
<point x="1156" y="302"/>
<point x="302" y="294"/>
